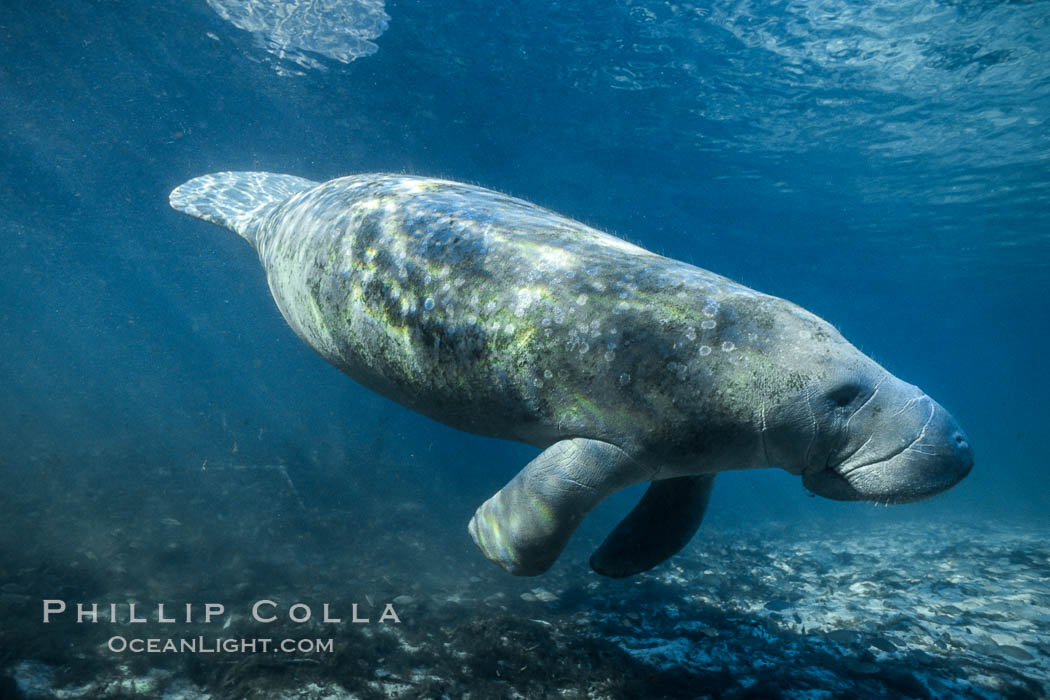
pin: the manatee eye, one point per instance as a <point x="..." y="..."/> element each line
<point x="844" y="393"/>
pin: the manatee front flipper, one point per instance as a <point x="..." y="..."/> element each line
<point x="525" y="526"/>
<point x="662" y="523"/>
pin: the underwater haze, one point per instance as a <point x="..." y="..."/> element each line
<point x="166" y="438"/>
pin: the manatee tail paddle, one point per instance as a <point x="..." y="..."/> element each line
<point x="236" y="200"/>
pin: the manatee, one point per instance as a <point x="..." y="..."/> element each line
<point x="498" y="317"/>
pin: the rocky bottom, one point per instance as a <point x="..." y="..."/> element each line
<point x="921" y="610"/>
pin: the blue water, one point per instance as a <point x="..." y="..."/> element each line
<point x="885" y="165"/>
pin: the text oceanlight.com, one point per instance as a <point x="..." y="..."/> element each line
<point x="215" y="645"/>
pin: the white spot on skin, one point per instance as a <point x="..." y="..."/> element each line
<point x="727" y="346"/>
<point x="708" y="324"/>
<point x="705" y="350"/>
<point x="428" y="305"/>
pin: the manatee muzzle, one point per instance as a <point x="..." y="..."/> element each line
<point x="912" y="453"/>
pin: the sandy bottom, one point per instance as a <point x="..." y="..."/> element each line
<point x="922" y="610"/>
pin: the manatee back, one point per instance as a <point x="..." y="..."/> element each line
<point x="236" y="200"/>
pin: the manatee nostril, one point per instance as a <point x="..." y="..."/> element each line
<point x="963" y="451"/>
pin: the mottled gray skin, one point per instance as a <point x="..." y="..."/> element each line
<point x="498" y="317"/>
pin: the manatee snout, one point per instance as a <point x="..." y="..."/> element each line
<point x="901" y="446"/>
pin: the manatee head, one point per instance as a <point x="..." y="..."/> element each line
<point x="852" y="430"/>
